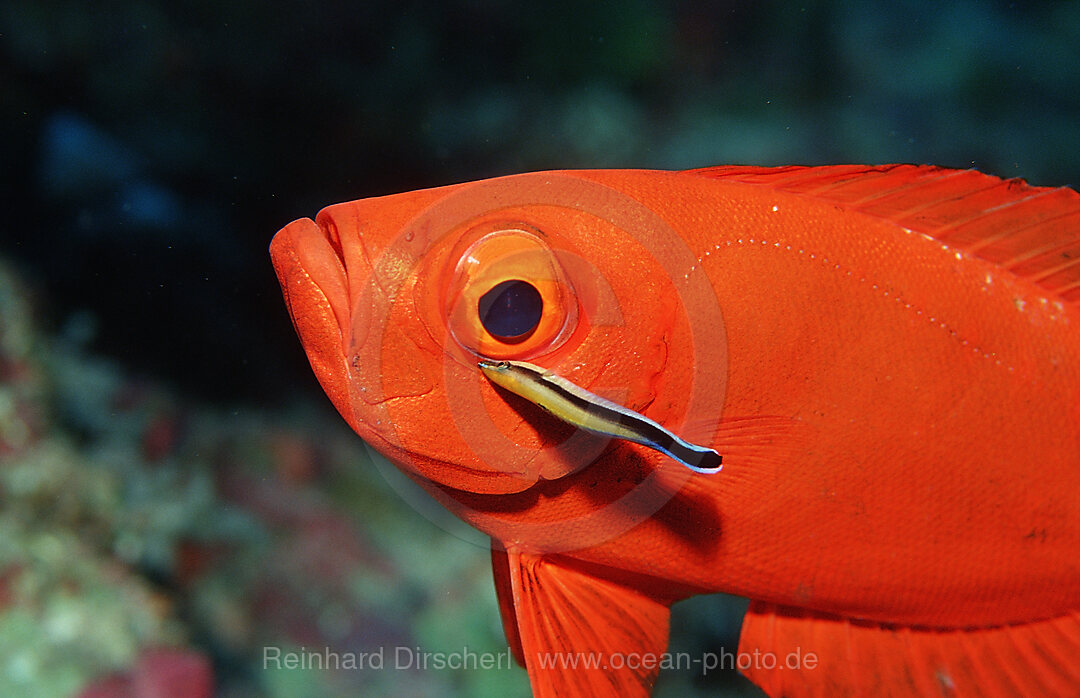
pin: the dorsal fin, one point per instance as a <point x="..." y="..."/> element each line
<point x="1033" y="232"/>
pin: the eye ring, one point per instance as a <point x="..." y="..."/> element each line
<point x="508" y="296"/>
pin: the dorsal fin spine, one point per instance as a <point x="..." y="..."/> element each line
<point x="1031" y="232"/>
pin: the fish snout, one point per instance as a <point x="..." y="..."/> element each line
<point x="314" y="285"/>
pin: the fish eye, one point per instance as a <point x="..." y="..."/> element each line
<point x="511" y="310"/>
<point x="507" y="296"/>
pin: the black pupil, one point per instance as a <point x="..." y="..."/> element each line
<point x="511" y="310"/>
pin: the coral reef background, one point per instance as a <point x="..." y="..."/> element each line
<point x="176" y="495"/>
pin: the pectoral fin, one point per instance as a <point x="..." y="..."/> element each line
<point x="576" y="634"/>
<point x="807" y="654"/>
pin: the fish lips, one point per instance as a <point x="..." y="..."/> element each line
<point x="314" y="285"/>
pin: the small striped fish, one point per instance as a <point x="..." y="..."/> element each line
<point x="575" y="405"/>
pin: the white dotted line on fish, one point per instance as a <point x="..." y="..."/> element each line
<point x="989" y="356"/>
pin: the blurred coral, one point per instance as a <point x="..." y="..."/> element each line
<point x="149" y="544"/>
<point x="159" y="674"/>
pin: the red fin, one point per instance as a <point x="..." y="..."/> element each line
<point x="867" y="659"/>
<point x="738" y="430"/>
<point x="578" y="635"/>
<point x="500" y="567"/>
<point x="1032" y="231"/>
<point x="761" y="439"/>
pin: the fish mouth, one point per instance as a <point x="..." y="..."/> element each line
<point x="316" y="291"/>
<point x="340" y="305"/>
<point x="306" y="253"/>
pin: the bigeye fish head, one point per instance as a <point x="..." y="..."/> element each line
<point x="396" y="299"/>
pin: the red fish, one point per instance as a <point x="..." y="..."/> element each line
<point x="886" y="359"/>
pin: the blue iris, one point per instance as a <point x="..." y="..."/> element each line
<point x="511" y="310"/>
